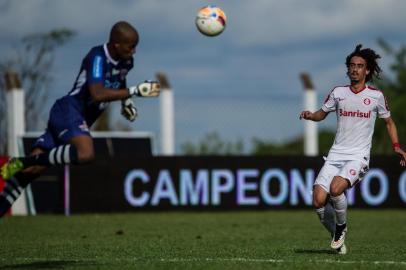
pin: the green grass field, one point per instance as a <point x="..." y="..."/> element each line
<point x="232" y="240"/>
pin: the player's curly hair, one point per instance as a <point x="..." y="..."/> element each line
<point x="371" y="57"/>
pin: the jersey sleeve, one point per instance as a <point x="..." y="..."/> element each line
<point x="382" y="107"/>
<point x="330" y="103"/>
<point x="95" y="69"/>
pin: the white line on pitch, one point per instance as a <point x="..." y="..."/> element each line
<point x="257" y="260"/>
<point x="196" y="259"/>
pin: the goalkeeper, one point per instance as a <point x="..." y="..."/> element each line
<point x="101" y="79"/>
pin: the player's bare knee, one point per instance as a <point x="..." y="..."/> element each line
<point x="335" y="191"/>
<point x="319" y="197"/>
<point x="318" y="203"/>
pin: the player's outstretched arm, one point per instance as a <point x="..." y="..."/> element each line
<point x="101" y="94"/>
<point x="393" y="134"/>
<point x="145" y="89"/>
<point x="315" y="116"/>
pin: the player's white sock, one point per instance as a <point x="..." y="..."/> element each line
<point x="329" y="217"/>
<point x="326" y="216"/>
<point x="340" y="207"/>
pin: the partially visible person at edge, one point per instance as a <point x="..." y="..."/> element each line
<point x="67" y="140"/>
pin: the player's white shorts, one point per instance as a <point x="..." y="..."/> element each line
<point x="352" y="170"/>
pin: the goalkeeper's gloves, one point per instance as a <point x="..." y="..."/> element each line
<point x="146" y="89"/>
<point x="128" y="109"/>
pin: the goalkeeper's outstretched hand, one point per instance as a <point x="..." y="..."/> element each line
<point x="146" y="89"/>
<point x="128" y="109"/>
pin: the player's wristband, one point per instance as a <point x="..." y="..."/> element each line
<point x="395" y="145"/>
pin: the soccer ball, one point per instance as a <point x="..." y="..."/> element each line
<point x="211" y="20"/>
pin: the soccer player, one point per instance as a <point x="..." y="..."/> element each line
<point x="101" y="79"/>
<point x="357" y="106"/>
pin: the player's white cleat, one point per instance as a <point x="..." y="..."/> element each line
<point x="339" y="236"/>
<point x="342" y="250"/>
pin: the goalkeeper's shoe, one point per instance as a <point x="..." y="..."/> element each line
<point x="339" y="236"/>
<point x="12" y="167"/>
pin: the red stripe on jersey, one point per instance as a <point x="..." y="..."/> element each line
<point x="332" y="91"/>
<point x="358" y="91"/>
<point x="328" y="96"/>
<point x="386" y="103"/>
<point x="374" y="89"/>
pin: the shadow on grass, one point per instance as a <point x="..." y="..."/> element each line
<point x="314" y="251"/>
<point x="44" y="265"/>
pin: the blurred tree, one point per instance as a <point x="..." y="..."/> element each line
<point x="265" y="147"/>
<point x="394" y="87"/>
<point x="213" y="144"/>
<point x="292" y="147"/>
<point x="33" y="61"/>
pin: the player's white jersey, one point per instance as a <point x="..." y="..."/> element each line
<point x="356" y="115"/>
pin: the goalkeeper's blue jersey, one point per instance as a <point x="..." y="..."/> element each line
<point x="73" y="114"/>
<point x="97" y="67"/>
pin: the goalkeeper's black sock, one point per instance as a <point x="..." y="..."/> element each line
<point x="12" y="190"/>
<point x="60" y="155"/>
